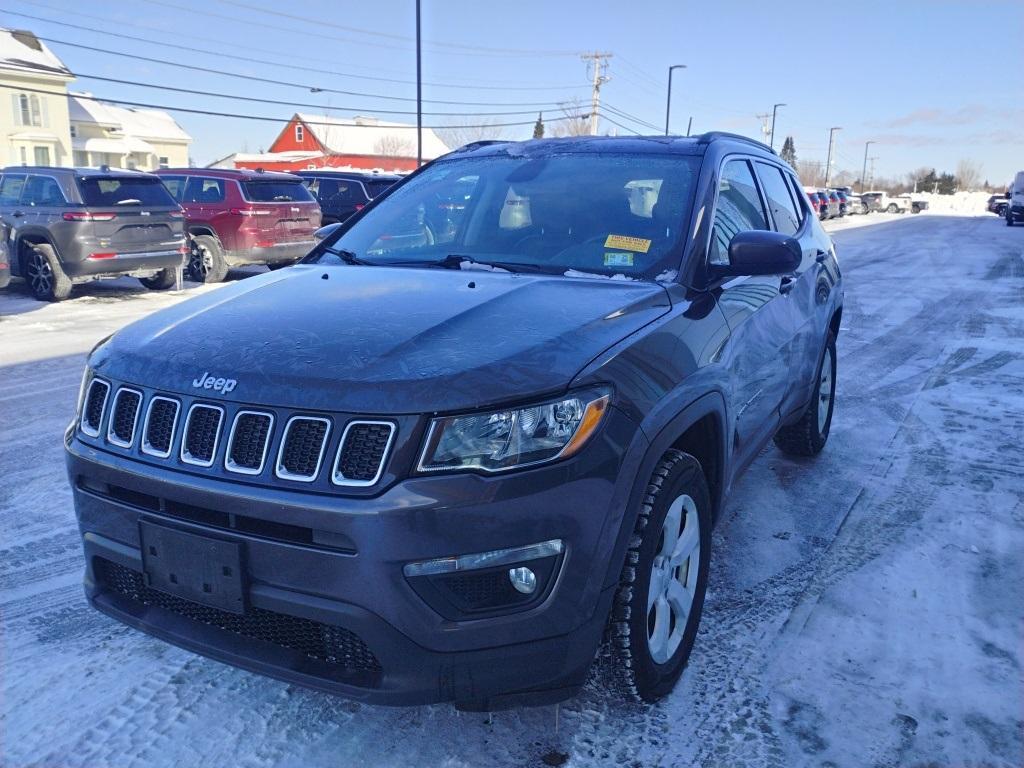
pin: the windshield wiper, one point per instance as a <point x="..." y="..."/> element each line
<point x="350" y="258"/>
<point x="129" y="201"/>
<point x="456" y="260"/>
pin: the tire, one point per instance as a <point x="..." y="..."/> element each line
<point x="638" y="661"/>
<point x="206" y="262"/>
<point x="161" y="281"/>
<point x="44" y="275"/>
<point x="1009" y="218"/>
<point x="892" y="208"/>
<point x="808" y="435"/>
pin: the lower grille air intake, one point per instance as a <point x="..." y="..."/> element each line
<point x="202" y="433"/>
<point x="362" y="453"/>
<point x="247" y="446"/>
<point x="124" y="415"/>
<point x="329" y="644"/>
<point x="158" y="431"/>
<point x="95" y="404"/>
<point x="302" y="448"/>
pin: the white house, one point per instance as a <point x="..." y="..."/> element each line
<point x="34" y="125"/>
<point x="42" y="124"/>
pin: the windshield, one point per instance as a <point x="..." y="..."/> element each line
<point x="276" y="192"/>
<point x="99" y="191"/>
<point x="611" y="214"/>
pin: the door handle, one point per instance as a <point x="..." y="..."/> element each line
<point x="786" y="284"/>
<point x="821" y="256"/>
<point x="18" y="214"/>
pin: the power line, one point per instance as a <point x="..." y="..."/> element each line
<point x="257" y="100"/>
<point x="312" y="88"/>
<point x="262" y="118"/>
<point x="628" y="116"/>
<point x="620" y="125"/>
<point x="463" y="83"/>
<point x="318" y="70"/>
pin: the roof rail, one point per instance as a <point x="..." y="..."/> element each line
<point x="707" y="138"/>
<point x="481" y="143"/>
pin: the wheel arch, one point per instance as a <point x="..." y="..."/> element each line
<point x="23" y="246"/>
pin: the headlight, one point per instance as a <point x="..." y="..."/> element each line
<point x="502" y="440"/>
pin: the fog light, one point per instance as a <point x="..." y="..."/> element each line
<point x="523" y="579"/>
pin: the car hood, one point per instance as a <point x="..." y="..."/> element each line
<point x="382" y="340"/>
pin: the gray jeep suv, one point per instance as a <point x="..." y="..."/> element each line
<point x="69" y="225"/>
<point x="461" y="453"/>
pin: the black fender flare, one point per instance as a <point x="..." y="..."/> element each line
<point x="27" y="238"/>
<point x="710" y="404"/>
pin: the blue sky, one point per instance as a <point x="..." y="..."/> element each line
<point x="930" y="82"/>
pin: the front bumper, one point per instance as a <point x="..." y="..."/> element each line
<point x="353" y="577"/>
<point x="272" y="254"/>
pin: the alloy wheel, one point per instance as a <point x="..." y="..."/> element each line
<point x="200" y="262"/>
<point x="673" y="579"/>
<point x="825" y="389"/>
<point x="40" y="275"/>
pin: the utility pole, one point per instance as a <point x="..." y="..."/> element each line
<point x="419" y="93"/>
<point x="689" y="125"/>
<point x="831" y="143"/>
<point x="771" y="142"/>
<point x="871" y="174"/>
<point x="668" y="98"/>
<point x="864" y="170"/>
<point x="765" y="126"/>
<point x="599" y="61"/>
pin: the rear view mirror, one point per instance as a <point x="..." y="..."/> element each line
<point x="324" y="232"/>
<point x="760" y="252"/>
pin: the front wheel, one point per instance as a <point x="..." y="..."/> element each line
<point x="1009" y="218"/>
<point x="657" y="608"/>
<point x="44" y="274"/>
<point x="808" y="435"/>
<point x="206" y="262"/>
<point x="161" y="281"/>
<point x="892" y="208"/>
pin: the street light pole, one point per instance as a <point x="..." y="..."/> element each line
<point x="668" y="99"/>
<point x="419" y="93"/>
<point x="864" y="170"/>
<point x="831" y="141"/>
<point x="771" y="143"/>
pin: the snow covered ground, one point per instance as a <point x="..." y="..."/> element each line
<point x="866" y="608"/>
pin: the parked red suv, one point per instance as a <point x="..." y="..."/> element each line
<point x="237" y="217"/>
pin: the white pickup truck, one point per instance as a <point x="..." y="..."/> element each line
<point x="880" y="201"/>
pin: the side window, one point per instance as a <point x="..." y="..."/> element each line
<point x="780" y="199"/>
<point x="738" y="209"/>
<point x="202" y="190"/>
<point x="313" y="185"/>
<point x="175" y="185"/>
<point x="799" y="196"/>
<point x="42" y="191"/>
<point x="10" y="188"/>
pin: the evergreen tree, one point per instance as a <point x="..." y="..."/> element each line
<point x="947" y="184"/>
<point x="789" y="151"/>
<point x="538" y="127"/>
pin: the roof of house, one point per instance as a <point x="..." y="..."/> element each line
<point x="22" y="50"/>
<point x="151" y="124"/>
<point x="370" y="136"/>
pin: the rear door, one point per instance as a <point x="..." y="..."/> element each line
<point x="131" y="214"/>
<point x="284" y="210"/>
<point x="11" y="186"/>
<point x="760" y="324"/>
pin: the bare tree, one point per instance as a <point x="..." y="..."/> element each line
<point x="456" y="136"/>
<point x="395" y="146"/>
<point x="811" y="173"/>
<point x="968" y="174"/>
<point x="574" y="121"/>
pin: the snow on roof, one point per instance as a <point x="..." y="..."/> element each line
<point x="369" y="136"/>
<point x="151" y="124"/>
<point x="263" y="157"/>
<point x="22" y="50"/>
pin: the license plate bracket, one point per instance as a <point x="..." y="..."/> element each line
<point x="202" y="569"/>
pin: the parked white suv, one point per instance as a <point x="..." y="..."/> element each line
<point x="1015" y="210"/>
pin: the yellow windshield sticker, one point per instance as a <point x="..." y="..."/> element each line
<point x="612" y="259"/>
<point x="635" y="244"/>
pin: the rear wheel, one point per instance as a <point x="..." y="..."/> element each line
<point x="892" y="208"/>
<point x="206" y="262"/>
<point x="808" y="435"/>
<point x="44" y="275"/>
<point x="161" y="281"/>
<point x="657" y="608"/>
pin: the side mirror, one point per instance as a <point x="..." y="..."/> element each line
<point x="759" y="252"/>
<point x="324" y="232"/>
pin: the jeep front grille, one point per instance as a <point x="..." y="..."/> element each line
<point x="124" y="415"/>
<point x="302" y="448"/>
<point x="95" y="404"/>
<point x="202" y="433"/>
<point x="362" y="452"/>
<point x="158" y="429"/>
<point x="247" y="445"/>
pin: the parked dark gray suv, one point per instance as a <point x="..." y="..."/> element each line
<point x="459" y="454"/>
<point x="69" y="225"/>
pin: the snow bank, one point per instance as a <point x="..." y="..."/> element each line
<point x="959" y="204"/>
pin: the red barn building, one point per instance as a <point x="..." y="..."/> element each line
<point x="365" y="143"/>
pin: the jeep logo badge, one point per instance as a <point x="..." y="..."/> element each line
<point x="206" y="381"/>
